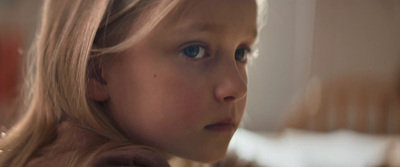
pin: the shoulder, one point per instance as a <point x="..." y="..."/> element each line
<point x="130" y="156"/>
<point x="126" y="156"/>
<point x="47" y="161"/>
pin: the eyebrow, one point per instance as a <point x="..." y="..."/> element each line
<point x="217" y="27"/>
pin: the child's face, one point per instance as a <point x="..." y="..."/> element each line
<point x="183" y="88"/>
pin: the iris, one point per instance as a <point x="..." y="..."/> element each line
<point x="194" y="52"/>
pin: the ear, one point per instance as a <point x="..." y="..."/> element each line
<point x="96" y="90"/>
<point x="96" y="85"/>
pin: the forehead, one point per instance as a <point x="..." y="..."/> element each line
<point x="216" y="15"/>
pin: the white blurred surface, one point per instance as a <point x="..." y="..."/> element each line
<point x="295" y="148"/>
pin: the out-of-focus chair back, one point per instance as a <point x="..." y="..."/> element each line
<point x="359" y="103"/>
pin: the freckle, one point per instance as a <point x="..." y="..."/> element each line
<point x="155" y="76"/>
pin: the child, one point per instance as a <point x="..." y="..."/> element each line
<point x="134" y="82"/>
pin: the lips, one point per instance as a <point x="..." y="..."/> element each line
<point x="224" y="125"/>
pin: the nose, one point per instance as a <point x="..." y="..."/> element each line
<point x="232" y="85"/>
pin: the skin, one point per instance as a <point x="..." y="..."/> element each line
<point x="161" y="97"/>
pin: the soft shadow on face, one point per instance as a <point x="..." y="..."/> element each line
<point x="182" y="89"/>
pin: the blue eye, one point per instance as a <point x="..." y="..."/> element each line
<point x="241" y="54"/>
<point x="194" y="52"/>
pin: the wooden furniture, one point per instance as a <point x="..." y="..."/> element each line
<point x="366" y="104"/>
<point x="359" y="103"/>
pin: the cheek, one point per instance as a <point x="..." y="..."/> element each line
<point x="241" y="105"/>
<point x="184" y="94"/>
<point x="181" y="100"/>
<point x="160" y="103"/>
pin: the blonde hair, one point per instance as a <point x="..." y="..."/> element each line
<point x="72" y="33"/>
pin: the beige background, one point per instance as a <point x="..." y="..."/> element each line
<point x="325" y="38"/>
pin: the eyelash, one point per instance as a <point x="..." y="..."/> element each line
<point x="204" y="50"/>
<point x="197" y="48"/>
<point x="247" y="53"/>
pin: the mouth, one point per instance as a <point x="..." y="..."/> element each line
<point x="225" y="125"/>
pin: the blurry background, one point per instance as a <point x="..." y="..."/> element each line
<point x="319" y="38"/>
<point x="18" y="21"/>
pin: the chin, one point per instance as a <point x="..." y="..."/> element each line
<point x="210" y="157"/>
<point x="211" y="152"/>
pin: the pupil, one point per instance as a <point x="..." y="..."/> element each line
<point x="239" y="54"/>
<point x="192" y="51"/>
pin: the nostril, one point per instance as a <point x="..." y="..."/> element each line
<point x="229" y="98"/>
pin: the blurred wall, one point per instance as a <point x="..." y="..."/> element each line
<point x="284" y="63"/>
<point x="325" y="38"/>
<point x="17" y="26"/>
<point x="357" y="37"/>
